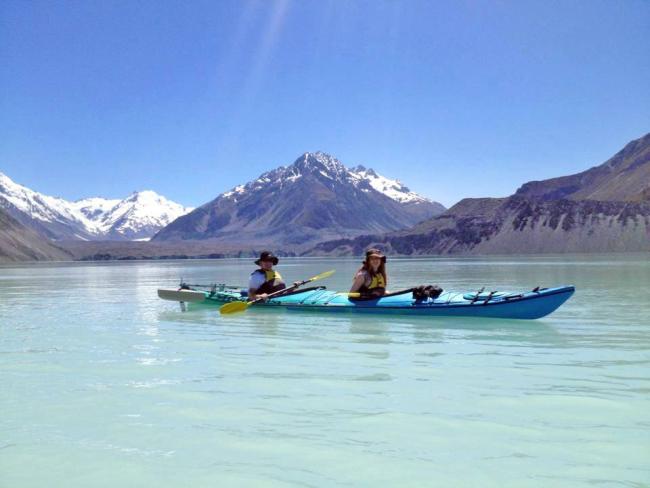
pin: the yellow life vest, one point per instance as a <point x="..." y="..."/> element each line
<point x="272" y="281"/>
<point x="272" y="275"/>
<point x="377" y="285"/>
<point x="377" y="281"/>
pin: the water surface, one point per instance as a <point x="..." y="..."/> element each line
<point x="103" y="384"/>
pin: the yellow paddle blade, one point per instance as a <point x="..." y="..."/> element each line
<point x="353" y="294"/>
<point x="326" y="274"/>
<point x="233" y="307"/>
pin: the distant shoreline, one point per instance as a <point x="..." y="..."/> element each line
<point x="107" y="258"/>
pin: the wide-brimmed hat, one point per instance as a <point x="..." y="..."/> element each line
<point x="267" y="256"/>
<point x="375" y="253"/>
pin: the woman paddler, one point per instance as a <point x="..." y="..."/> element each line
<point x="371" y="279"/>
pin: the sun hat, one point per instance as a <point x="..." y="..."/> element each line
<point x="375" y="253"/>
<point x="267" y="256"/>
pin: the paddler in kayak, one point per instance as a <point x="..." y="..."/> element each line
<point x="265" y="280"/>
<point x="371" y="279"/>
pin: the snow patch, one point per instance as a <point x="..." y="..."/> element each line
<point x="393" y="189"/>
<point x="237" y="190"/>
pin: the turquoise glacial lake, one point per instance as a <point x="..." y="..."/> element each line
<point x="102" y="384"/>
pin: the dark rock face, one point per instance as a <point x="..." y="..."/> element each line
<point x="314" y="199"/>
<point x="19" y="243"/>
<point x="519" y="226"/>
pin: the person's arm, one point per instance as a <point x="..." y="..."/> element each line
<point x="359" y="278"/>
<point x="253" y="285"/>
<point x="253" y="296"/>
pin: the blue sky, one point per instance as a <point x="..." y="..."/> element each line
<point x="190" y="98"/>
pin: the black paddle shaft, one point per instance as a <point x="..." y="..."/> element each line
<point x="280" y="292"/>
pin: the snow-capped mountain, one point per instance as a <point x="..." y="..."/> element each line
<point x="314" y="198"/>
<point x="137" y="217"/>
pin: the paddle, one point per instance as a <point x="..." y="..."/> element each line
<point x="234" y="307"/>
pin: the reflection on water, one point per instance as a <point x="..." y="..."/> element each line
<point x="99" y="373"/>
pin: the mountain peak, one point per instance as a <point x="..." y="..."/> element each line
<point x="361" y="169"/>
<point x="145" y="196"/>
<point x="326" y="168"/>
<point x="318" y="162"/>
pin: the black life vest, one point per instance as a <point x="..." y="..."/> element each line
<point x="272" y="281"/>
<point x="377" y="285"/>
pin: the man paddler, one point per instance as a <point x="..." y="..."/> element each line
<point x="265" y="280"/>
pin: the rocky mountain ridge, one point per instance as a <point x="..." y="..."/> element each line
<point x="623" y="177"/>
<point x="515" y="225"/>
<point x="313" y="199"/>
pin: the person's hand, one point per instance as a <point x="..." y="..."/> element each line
<point x="296" y="283"/>
<point x="263" y="296"/>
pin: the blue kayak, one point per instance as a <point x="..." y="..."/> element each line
<point x="532" y="304"/>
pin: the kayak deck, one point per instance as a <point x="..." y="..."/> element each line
<point x="523" y="305"/>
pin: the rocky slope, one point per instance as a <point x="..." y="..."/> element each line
<point x="19" y="243"/>
<point x="624" y="177"/>
<point x="314" y="199"/>
<point x="515" y="226"/>
<point x="557" y="215"/>
<point x="139" y="216"/>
